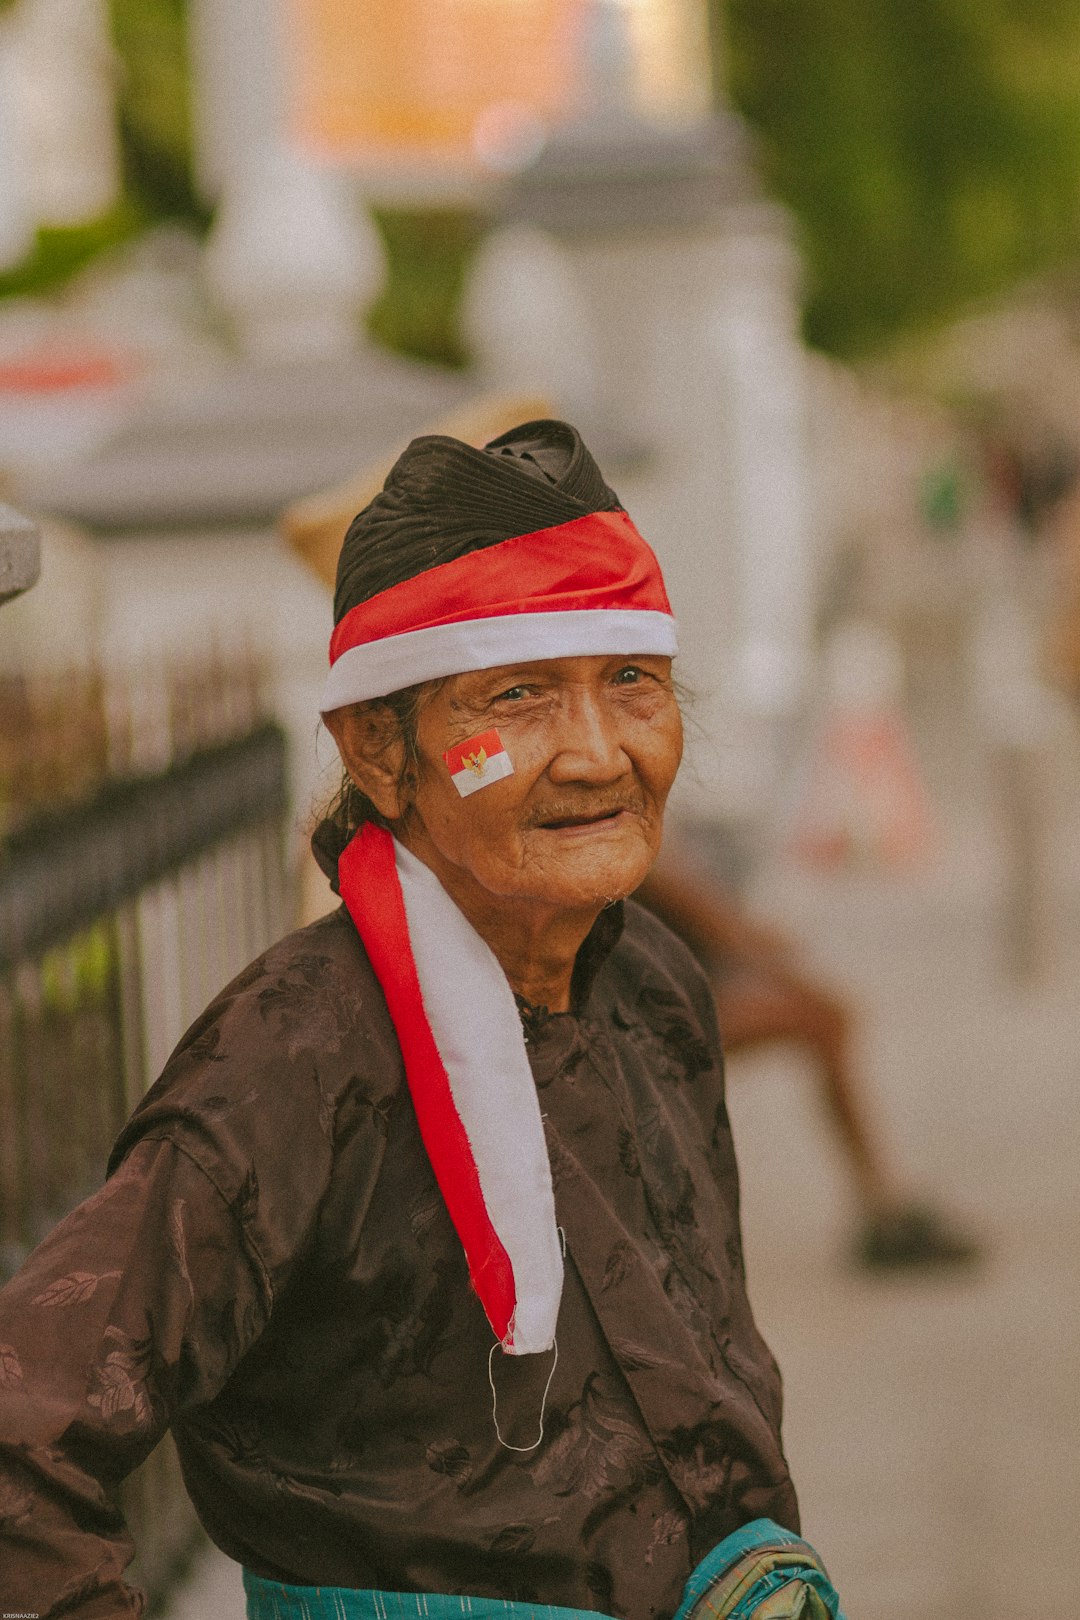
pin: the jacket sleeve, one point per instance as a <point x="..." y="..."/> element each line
<point x="137" y="1306"/>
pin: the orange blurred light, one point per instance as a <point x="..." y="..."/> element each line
<point x="446" y="80"/>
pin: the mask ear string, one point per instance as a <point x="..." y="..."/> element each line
<point x="547" y="1386"/>
<point x="543" y="1400"/>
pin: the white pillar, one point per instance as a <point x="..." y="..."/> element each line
<point x="60" y="94"/>
<point x="754" y="340"/>
<point x="238" y="94"/>
<point x="526" y="321"/>
<point x="293" y="256"/>
<point x="17" y="219"/>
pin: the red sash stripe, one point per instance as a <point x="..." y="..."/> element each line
<point x="371" y="890"/>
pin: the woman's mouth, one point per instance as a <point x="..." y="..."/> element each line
<point x="569" y="823"/>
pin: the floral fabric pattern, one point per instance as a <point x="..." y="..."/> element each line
<point x="271" y="1271"/>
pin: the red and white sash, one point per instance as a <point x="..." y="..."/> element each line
<point x="469" y="1077"/>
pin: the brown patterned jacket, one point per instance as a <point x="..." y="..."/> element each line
<point x="270" y="1270"/>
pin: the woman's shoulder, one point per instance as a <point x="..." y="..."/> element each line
<point x="308" y="993"/>
<point x="657" y="981"/>
<point x="276" y="1054"/>
<point x="649" y="949"/>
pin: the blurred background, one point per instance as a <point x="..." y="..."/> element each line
<point x="807" y="278"/>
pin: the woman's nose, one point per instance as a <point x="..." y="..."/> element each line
<point x="589" y="747"/>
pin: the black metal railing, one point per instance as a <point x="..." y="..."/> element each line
<point x="122" y="912"/>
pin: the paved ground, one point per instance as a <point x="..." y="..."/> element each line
<point x="931" y="1424"/>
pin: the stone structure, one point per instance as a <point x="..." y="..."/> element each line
<point x="179" y="511"/>
<point x="20" y="554"/>
<point x="293" y="257"/>
<point x="640" y="279"/>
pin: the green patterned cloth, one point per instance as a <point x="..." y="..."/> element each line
<point x="761" y="1572"/>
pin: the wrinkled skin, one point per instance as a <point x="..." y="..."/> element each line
<point x="532" y="859"/>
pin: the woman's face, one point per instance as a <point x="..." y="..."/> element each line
<point x="594" y="741"/>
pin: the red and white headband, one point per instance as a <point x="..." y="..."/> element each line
<point x="588" y="586"/>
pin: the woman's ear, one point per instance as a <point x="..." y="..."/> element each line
<point x="372" y="750"/>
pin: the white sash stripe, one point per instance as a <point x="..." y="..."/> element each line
<point x="474" y="1019"/>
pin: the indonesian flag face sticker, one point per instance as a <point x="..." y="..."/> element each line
<point x="478" y="762"/>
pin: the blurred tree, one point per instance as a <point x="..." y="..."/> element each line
<point x="930" y="149"/>
<point x="428" y="253"/>
<point x="428" y="250"/>
<point x="60" y="251"/>
<point x="153" y="113"/>
<point x="154" y="107"/>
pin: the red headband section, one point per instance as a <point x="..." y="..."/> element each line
<point x="597" y="561"/>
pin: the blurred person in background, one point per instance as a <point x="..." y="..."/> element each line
<point x="765" y="995"/>
<point x="1061" y="649"/>
<point x="426" y="1242"/>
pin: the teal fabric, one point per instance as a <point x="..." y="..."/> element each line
<point x="752" y="1547"/>
<point x="271" y="1600"/>
<point x="749" y="1548"/>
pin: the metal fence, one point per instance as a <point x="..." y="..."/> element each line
<point x="127" y="899"/>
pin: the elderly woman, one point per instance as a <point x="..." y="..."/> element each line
<point x="426" y="1242"/>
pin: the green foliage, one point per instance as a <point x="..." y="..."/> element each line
<point x="154" y="107"/>
<point x="61" y="251"/>
<point x="429" y="251"/>
<point x="79" y="971"/>
<point x="930" y="149"/>
<point x="154" y="119"/>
